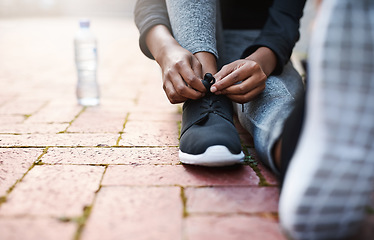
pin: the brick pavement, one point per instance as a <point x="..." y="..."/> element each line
<point x="111" y="172"/>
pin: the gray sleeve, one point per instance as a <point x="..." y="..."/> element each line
<point x="193" y="24"/>
<point x="148" y="13"/>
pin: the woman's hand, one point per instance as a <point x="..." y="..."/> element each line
<point x="244" y="79"/>
<point x="241" y="81"/>
<point x="181" y="70"/>
<point x="181" y="74"/>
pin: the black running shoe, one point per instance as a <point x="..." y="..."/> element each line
<point x="208" y="135"/>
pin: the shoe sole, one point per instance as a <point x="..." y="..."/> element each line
<point x="214" y="156"/>
<point x="330" y="178"/>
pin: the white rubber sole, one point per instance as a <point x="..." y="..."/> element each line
<point x="214" y="156"/>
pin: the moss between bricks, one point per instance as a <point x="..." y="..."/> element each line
<point x="179" y="129"/>
<point x="37" y="162"/>
<point x="71" y="122"/>
<point x="123" y="128"/>
<point x="81" y="221"/>
<point x="249" y="160"/>
<point x="2" y="200"/>
<point x="184" y="202"/>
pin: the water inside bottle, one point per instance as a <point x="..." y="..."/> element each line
<point x="86" y="63"/>
<point x="88" y="101"/>
<point x="87" y="88"/>
<point x="85" y="56"/>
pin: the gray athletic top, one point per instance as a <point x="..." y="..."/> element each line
<point x="278" y="20"/>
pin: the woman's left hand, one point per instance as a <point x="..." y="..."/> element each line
<point x="241" y="80"/>
<point x="244" y="79"/>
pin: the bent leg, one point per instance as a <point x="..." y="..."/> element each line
<point x="194" y="24"/>
<point x="265" y="116"/>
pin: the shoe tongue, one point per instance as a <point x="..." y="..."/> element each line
<point x="198" y="111"/>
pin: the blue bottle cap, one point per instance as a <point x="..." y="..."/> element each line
<point x="84" y="23"/>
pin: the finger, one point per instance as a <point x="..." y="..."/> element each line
<point x="188" y="74"/>
<point x="248" y="96"/>
<point x="230" y="75"/>
<point x="225" y="70"/>
<point x="171" y="94"/>
<point x="179" y="86"/>
<point x="198" y="70"/>
<point x="244" y="87"/>
<point x="183" y="90"/>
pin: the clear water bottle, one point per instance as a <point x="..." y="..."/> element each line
<point x="86" y="61"/>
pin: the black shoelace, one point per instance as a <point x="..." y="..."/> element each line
<point x="208" y="81"/>
<point x="210" y="102"/>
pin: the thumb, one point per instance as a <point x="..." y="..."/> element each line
<point x="219" y="76"/>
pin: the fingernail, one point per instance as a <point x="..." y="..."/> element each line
<point x="213" y="89"/>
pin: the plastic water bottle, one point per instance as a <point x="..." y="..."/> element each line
<point x="86" y="61"/>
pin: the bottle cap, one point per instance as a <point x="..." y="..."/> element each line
<point x="84" y="23"/>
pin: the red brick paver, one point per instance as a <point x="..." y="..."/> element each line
<point x="232" y="200"/>
<point x="112" y="156"/>
<point x="179" y="175"/>
<point x="136" y="213"/>
<point x="235" y="227"/>
<point x="31" y="228"/>
<point x="111" y="171"/>
<point x="14" y="164"/>
<point x="54" y="191"/>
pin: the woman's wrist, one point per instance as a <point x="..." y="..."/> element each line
<point x="266" y="58"/>
<point x="208" y="62"/>
<point x="159" y="40"/>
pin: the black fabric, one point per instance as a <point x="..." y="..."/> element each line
<point x="244" y="14"/>
<point x="290" y="136"/>
<point x="195" y="111"/>
<point x="208" y="122"/>
<point x="280" y="31"/>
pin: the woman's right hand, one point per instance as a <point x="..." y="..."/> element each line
<point x="181" y="70"/>
<point x="181" y="74"/>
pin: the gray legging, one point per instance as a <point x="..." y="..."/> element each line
<point x="199" y="29"/>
